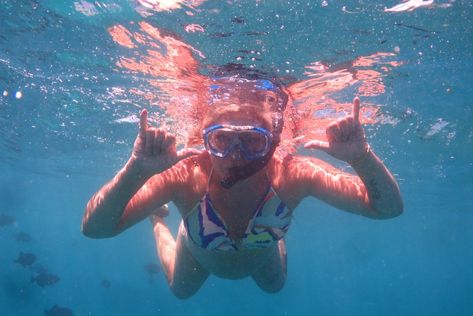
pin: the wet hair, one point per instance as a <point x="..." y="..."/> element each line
<point x="231" y="86"/>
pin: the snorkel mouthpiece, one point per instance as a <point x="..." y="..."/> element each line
<point x="246" y="171"/>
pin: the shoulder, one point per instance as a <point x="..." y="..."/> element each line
<point x="284" y="174"/>
<point x="187" y="170"/>
<point x="186" y="179"/>
<point x="292" y="175"/>
<point x="290" y="168"/>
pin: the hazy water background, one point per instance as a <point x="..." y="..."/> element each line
<point x="60" y="141"/>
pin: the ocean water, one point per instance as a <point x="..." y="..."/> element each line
<point x="74" y="75"/>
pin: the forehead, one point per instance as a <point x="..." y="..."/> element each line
<point x="238" y="114"/>
<point x="239" y="90"/>
<point x="238" y="101"/>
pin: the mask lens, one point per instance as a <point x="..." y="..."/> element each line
<point x="253" y="142"/>
<point x="221" y="140"/>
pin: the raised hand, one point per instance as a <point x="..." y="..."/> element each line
<point x="154" y="149"/>
<point x="345" y="138"/>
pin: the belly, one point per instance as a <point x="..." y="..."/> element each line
<point x="229" y="264"/>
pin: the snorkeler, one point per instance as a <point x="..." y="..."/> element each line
<point x="237" y="197"/>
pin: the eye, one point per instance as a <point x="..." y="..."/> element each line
<point x="253" y="141"/>
<point x="222" y="138"/>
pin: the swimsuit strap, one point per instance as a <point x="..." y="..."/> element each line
<point x="210" y="177"/>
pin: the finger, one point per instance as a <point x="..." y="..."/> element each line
<point x="169" y="143"/>
<point x="149" y="135"/>
<point x="356" y="109"/>
<point x="158" y="142"/>
<point x="143" y="121"/>
<point x="317" y="144"/>
<point x="188" y="152"/>
<point x="346" y="128"/>
<point x="333" y="132"/>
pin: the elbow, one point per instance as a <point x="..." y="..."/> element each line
<point x="397" y="208"/>
<point x="388" y="212"/>
<point x="95" y="228"/>
<point x="88" y="231"/>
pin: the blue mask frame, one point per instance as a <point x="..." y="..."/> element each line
<point x="249" y="155"/>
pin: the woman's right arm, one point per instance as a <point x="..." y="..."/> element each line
<point x="106" y="208"/>
<point x="142" y="185"/>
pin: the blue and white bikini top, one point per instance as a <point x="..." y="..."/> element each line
<point x="268" y="224"/>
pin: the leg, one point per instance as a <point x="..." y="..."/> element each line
<point x="184" y="274"/>
<point x="271" y="276"/>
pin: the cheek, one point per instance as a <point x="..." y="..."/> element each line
<point x="227" y="162"/>
<point x="219" y="163"/>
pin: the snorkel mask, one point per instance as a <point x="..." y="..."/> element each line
<point x="253" y="142"/>
<point x="256" y="144"/>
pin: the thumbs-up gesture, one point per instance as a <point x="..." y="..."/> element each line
<point x="345" y="138"/>
<point x="154" y="149"/>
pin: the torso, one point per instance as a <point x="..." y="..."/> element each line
<point x="236" y="208"/>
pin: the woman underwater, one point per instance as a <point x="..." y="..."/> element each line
<point x="237" y="197"/>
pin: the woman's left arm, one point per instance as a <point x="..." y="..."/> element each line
<point x="377" y="195"/>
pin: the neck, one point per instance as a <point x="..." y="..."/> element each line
<point x="252" y="181"/>
<point x="238" y="174"/>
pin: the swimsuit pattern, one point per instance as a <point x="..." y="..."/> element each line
<point x="269" y="223"/>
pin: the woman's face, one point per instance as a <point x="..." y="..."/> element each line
<point x="240" y="103"/>
<point x="236" y="157"/>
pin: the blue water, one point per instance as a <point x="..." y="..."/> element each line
<point x="60" y="141"/>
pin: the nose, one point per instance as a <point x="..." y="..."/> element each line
<point x="236" y="153"/>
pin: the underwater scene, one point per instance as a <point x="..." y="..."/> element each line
<point x="76" y="74"/>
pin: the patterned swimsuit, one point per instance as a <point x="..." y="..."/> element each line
<point x="268" y="224"/>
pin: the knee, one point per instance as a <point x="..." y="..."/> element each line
<point x="273" y="288"/>
<point x="272" y="285"/>
<point x="182" y="291"/>
<point x="182" y="295"/>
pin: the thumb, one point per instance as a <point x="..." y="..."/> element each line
<point x="188" y="152"/>
<point x="317" y="144"/>
<point x="143" y="122"/>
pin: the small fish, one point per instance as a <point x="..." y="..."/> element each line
<point x="26" y="259"/>
<point x="152" y="268"/>
<point x="39" y="269"/>
<point x="415" y="28"/>
<point x="57" y="310"/>
<point x="255" y="33"/>
<point x="106" y="283"/>
<point x="221" y="34"/>
<point x="22" y="237"/>
<point x="6" y="219"/>
<point x="45" y="279"/>
<point x="238" y="19"/>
